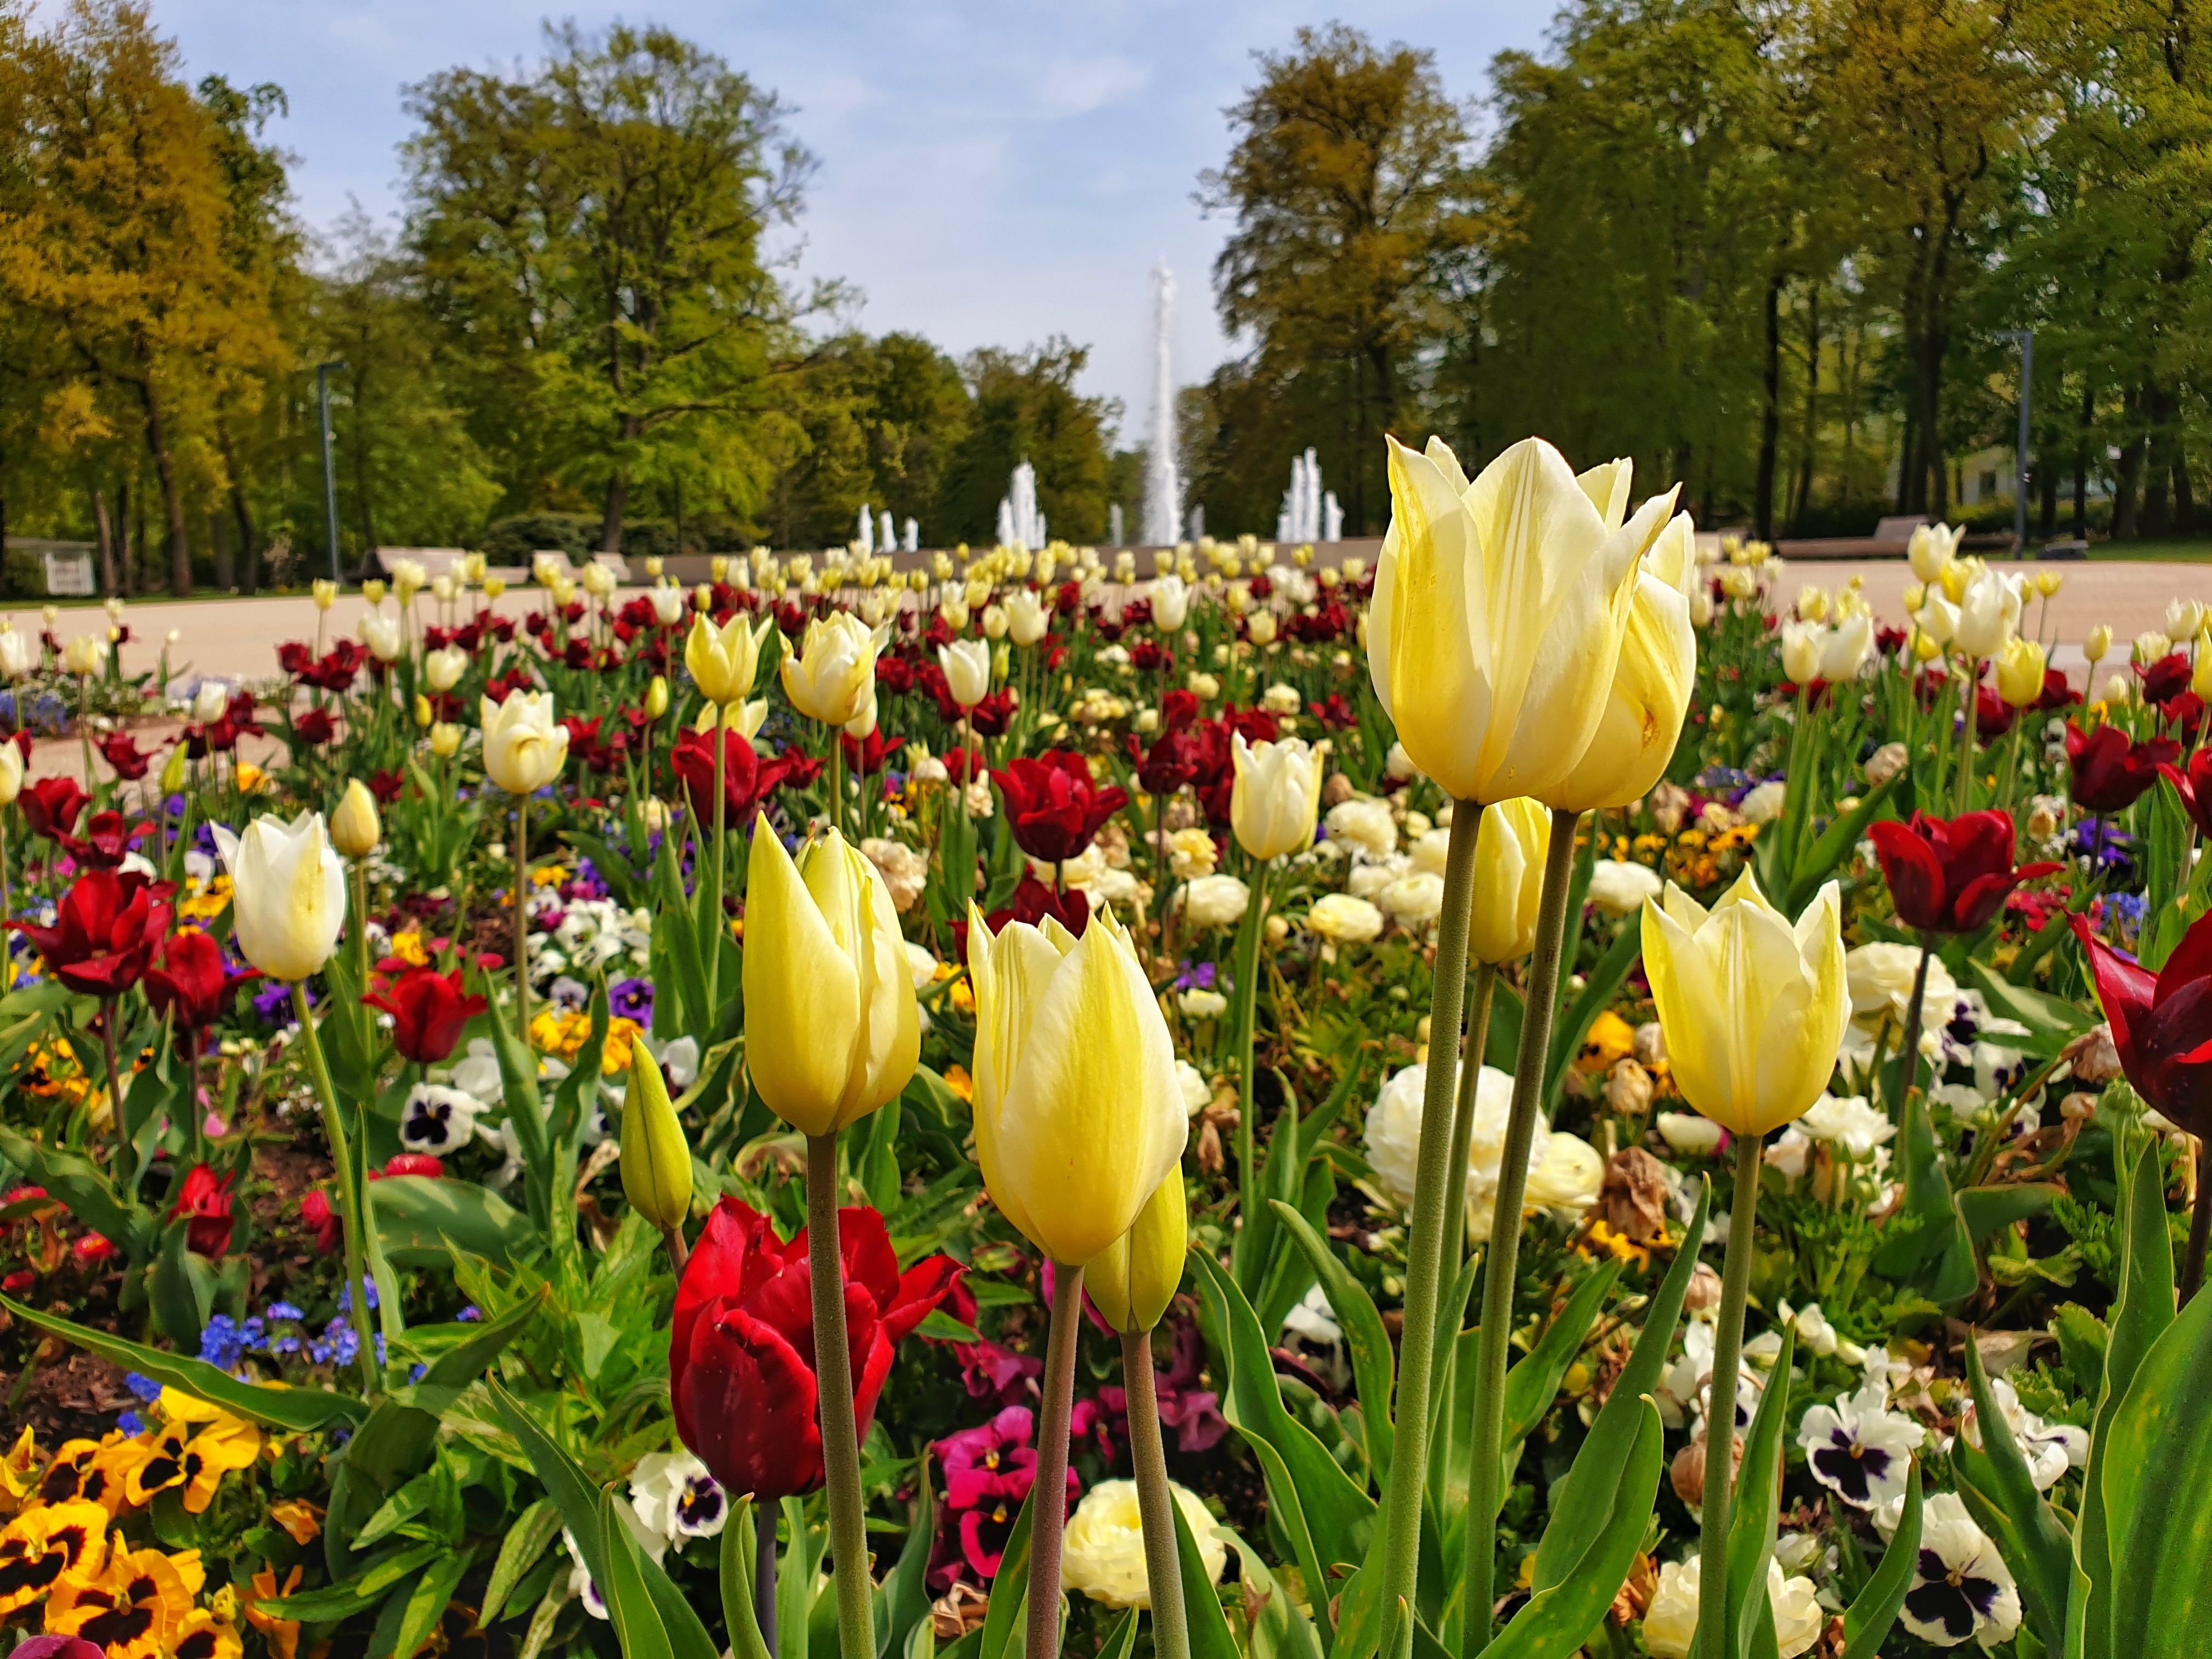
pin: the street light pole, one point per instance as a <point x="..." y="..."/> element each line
<point x="2027" y="338"/>
<point x="329" y="469"/>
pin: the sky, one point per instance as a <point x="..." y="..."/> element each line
<point x="988" y="174"/>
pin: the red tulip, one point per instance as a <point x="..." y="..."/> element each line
<point x="2193" y="786"/>
<point x="120" y="752"/>
<point x="2112" y="773"/>
<point x="52" y="805"/>
<point x="204" y="1199"/>
<point x="2161" y="1024"/>
<point x="1054" y="807"/>
<point x="741" y="1352"/>
<point x="429" y="1011"/>
<point x="192" y="986"/>
<point x="322" y="1220"/>
<point x="314" y="728"/>
<point x="865" y="756"/>
<point x="2166" y="678"/>
<point x="104" y="934"/>
<point x="91" y="1249"/>
<point x="1950" y="876"/>
<point x="414" y="1164"/>
<point x="107" y="841"/>
<point x="749" y="777"/>
<point x="1171" y="763"/>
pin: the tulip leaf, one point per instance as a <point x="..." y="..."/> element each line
<point x="420" y="1217"/>
<point x="2041" y="1556"/>
<point x="1834" y="844"/>
<point x="517" y="1072"/>
<point x="654" y="1620"/>
<point x="2156" y="1469"/>
<point x="342" y="1600"/>
<point x="85" y="1190"/>
<point x="565" y="1483"/>
<point x="746" y="1641"/>
<point x="1533" y="1383"/>
<point x="1559" y="1618"/>
<point x="1935" y="1255"/>
<point x="1209" y="1625"/>
<point x="1364" y="1336"/>
<point x="414" y="1609"/>
<point x="301" y="1410"/>
<point x="2052" y="1022"/>
<point x="905" y="1592"/>
<point x="1757" y="1497"/>
<point x="1277" y="1630"/>
<point x="1581" y="1502"/>
<point x="525" y="1543"/>
<point x="1867" y="1621"/>
<point x="1986" y="1209"/>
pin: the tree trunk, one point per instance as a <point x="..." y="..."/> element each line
<point x="109" y="582"/>
<point x="172" y="496"/>
<point x="2185" y="502"/>
<point x="1769" y="418"/>
<point x="2159" y="404"/>
<point x="249" y="543"/>
<point x="1801" y="505"/>
<point x="128" y="551"/>
<point x="1938" y="500"/>
<point x="2081" y="459"/>
<point x="2125" y="526"/>
<point x="219" y="544"/>
<point x="617" y="499"/>
<point x="1908" y="458"/>
<point x="2046" y="485"/>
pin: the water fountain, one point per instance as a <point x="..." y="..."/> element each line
<point x="1019" y="520"/>
<point x="1163" y="487"/>
<point x="1310" y="513"/>
<point x="866" y="539"/>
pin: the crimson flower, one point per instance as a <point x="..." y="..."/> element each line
<point x="429" y="1011"/>
<point x="322" y="1219"/>
<point x="741" y="1352"/>
<point x="865" y="756"/>
<point x="120" y="751"/>
<point x="1054" y="807"/>
<point x="192" y="986"/>
<point x="1178" y="710"/>
<point x="2166" y="678"/>
<point x="314" y="728"/>
<point x="51" y="806"/>
<point x="203" y="1203"/>
<point x="2193" y="781"/>
<point x="749" y="777"/>
<point x="1171" y="763"/>
<point x="2111" y="771"/>
<point x="2161" y="1024"/>
<point x="104" y="933"/>
<point x="1950" y="875"/>
<point x="991" y="717"/>
<point x="414" y="1164"/>
<point x="989" y="1472"/>
<point x="105" y="842"/>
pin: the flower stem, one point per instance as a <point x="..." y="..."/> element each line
<point x="722" y="851"/>
<point x="1720" y="1401"/>
<point x="1048" y="1506"/>
<point x="764" y="1570"/>
<point x="1972" y="698"/>
<point x="1487" y="1477"/>
<point x="2200" y="1223"/>
<point x="522" y="915"/>
<point x="107" y="1011"/>
<point x="1250" y="1209"/>
<point x="1155" y="1500"/>
<point x="841" y="1436"/>
<point x="1424" y="1238"/>
<point x="1909" y="1056"/>
<point x="350" y="1218"/>
<point x="1470" y="1077"/>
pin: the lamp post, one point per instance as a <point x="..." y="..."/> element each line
<point x="330" y="470"/>
<point x="2027" y="338"/>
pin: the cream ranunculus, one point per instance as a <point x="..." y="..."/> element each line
<point x="1343" y="919"/>
<point x="1753" y="1008"/>
<point x="1879" y="977"/>
<point x="1103" y="1551"/>
<point x="832" y="676"/>
<point x="1670" y="1625"/>
<point x="1366" y="824"/>
<point x="1277" y="794"/>
<point x="1564" y="1171"/>
<point x="724" y="660"/>
<point x="1617" y="886"/>
<point x="1500" y="608"/>
<point x="524" y="746"/>
<point x="288" y="893"/>
<point x="967" y="666"/>
<point x="1414" y="899"/>
<point x="1078" y="1108"/>
<point x="1212" y="900"/>
<point x="1509" y="879"/>
<point x="833" y="1028"/>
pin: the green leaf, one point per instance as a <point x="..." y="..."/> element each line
<point x="343" y="1600"/>
<point x="1365" y="1337"/>
<point x="80" y="1185"/>
<point x="1874" y="1610"/>
<point x="424" y="1219"/>
<point x="180" y="1289"/>
<point x="2042" y="1556"/>
<point x="1001" y="1632"/>
<point x="905" y="1592"/>
<point x="1558" y="1618"/>
<point x="1278" y="1630"/>
<point x="525" y="1110"/>
<point x="525" y="1541"/>
<point x="1986" y="1209"/>
<point x="2053" y="1022"/>
<point x="1533" y="1383"/>
<point x="565" y="1483"/>
<point x="301" y="1410"/>
<point x="1209" y="1627"/>
<point x="682" y="1633"/>
<point x="1835" y="843"/>
<point x="1758" y="1495"/>
<point x="1581" y="1503"/>
<point x="746" y="1641"/>
<point x="425" y="1604"/>
<point x="1937" y="1257"/>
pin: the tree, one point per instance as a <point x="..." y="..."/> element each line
<point x="1027" y="409"/>
<point x="1348" y="184"/>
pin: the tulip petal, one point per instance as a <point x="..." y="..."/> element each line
<point x="744" y="1403"/>
<point x="802" y="993"/>
<point x="1011" y="973"/>
<point x="1425" y="649"/>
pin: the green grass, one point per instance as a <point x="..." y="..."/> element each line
<point x="2164" y="550"/>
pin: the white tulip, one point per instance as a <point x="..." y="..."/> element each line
<point x="288" y="893"/>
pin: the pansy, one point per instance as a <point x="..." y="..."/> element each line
<point x="2051" y="1448"/>
<point x="1858" y="1448"/>
<point x="136" y="1608"/>
<point x="437" y="1120"/>
<point x="1961" y="1588"/>
<point x="478" y="1072"/>
<point x="44" y="1543"/>
<point x="676" y="1497"/>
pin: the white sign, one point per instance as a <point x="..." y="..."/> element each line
<point x="70" y="575"/>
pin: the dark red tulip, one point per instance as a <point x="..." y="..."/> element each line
<point x="749" y="777"/>
<point x="2161" y="1024"/>
<point x="322" y="1219"/>
<point x="2112" y="773"/>
<point x="741" y="1349"/>
<point x="2057" y="692"/>
<point x="105" y="931"/>
<point x="1950" y="876"/>
<point x="1054" y="807"/>
<point x="192" y="986"/>
<point x="203" y="1203"/>
<point x="51" y="806"/>
<point x="2166" y="678"/>
<point x="1993" y="715"/>
<point x="2193" y="781"/>
<point x="429" y="1011"/>
<point x="1171" y="763"/>
<point x="314" y="728"/>
<point x="105" y="842"/>
<point x="1033" y="903"/>
<point x="121" y="752"/>
<point x="865" y="756"/>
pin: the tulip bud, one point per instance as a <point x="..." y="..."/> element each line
<point x="287" y="894"/>
<point x="424" y="715"/>
<point x="325" y="591"/>
<point x="1137" y="1276"/>
<point x="494" y="586"/>
<point x="524" y="746"/>
<point x="656" y="697"/>
<point x="374" y="591"/>
<point x="11" y="774"/>
<point x="354" y="831"/>
<point x="444" y="739"/>
<point x="2098" y="645"/>
<point x="652" y="569"/>
<point x="1914" y="596"/>
<point x="1276" y="796"/>
<point x="656" y="1159"/>
<point x="172" y="771"/>
<point x="2019" y="672"/>
<point x="1509" y="879"/>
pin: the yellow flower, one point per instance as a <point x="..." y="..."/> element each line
<point x="832" y="676"/>
<point x="955" y="1075"/>
<point x="282" y="1635"/>
<point x="1509" y="878"/>
<point x="1500" y="608"/>
<point x="198" y="1464"/>
<point x="1276" y="796"/>
<point x="250" y="778"/>
<point x="290" y="900"/>
<point x="1610" y="1040"/>
<point x="354" y="831"/>
<point x="93" y="1470"/>
<point x="298" y="1517"/>
<point x="1635" y="738"/>
<point x="724" y="660"/>
<point x="524" y="746"/>
<point x="209" y="903"/>
<point x="19" y="1471"/>
<point x="2019" y="672"/>
<point x="1078" y="1111"/>
<point x="1752" y="1008"/>
<point x="656" y="1159"/>
<point x="136" y="1608"/>
<point x="46" y="1543"/>
<point x="828" y="991"/>
<point x="205" y="1635"/>
<point x="1138" y="1274"/>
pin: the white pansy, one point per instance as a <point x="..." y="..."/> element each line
<point x="1858" y="1448"/>
<point x="1961" y="1588"/>
<point x="1852" y="1127"/>
<point x="2051" y="1448"/>
<point x="437" y="1120"/>
<point x="676" y="1498"/>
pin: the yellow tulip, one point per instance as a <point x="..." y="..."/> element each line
<point x="656" y="1159"/>
<point x="833" y="675"/>
<point x="425" y="716"/>
<point x="354" y="831"/>
<point x="1509" y="878"/>
<point x="172" y="772"/>
<point x="445" y="740"/>
<point x="373" y="590"/>
<point x="830" y="1008"/>
<point x="1276" y="797"/>
<point x="1500" y="606"/>
<point x="1137" y="1276"/>
<point x="1753" y="1009"/>
<point x="494" y="586"/>
<point x="11" y="773"/>
<point x="524" y="746"/>
<point x="2019" y="672"/>
<point x="1657" y="669"/>
<point x="1079" y="1113"/>
<point x="724" y="660"/>
<point x="442" y="669"/>
<point x="2099" y="644"/>
<point x="656" y="697"/>
<point x="325" y="592"/>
